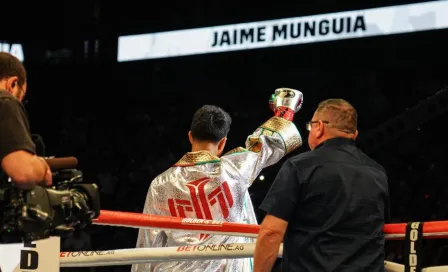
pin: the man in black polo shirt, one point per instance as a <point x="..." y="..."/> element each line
<point x="17" y="150"/>
<point x="328" y="205"/>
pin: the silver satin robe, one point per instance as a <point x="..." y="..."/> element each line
<point x="204" y="186"/>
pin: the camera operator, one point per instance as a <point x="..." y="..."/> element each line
<point x="17" y="150"/>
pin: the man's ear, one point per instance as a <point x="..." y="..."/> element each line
<point x="11" y="83"/>
<point x="319" y="131"/>
<point x="221" y="146"/>
<point x="190" y="137"/>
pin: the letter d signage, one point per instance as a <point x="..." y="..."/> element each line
<point x="29" y="260"/>
<point x="40" y="256"/>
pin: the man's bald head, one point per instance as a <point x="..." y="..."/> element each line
<point x="339" y="113"/>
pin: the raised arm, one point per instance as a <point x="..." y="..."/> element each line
<point x="271" y="141"/>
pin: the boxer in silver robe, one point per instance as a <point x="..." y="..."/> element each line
<point x="205" y="185"/>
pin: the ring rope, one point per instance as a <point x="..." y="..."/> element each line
<point x="138" y="220"/>
<point x="209" y="252"/>
<point x="146" y="255"/>
<point x="434" y="229"/>
<point x="395" y="267"/>
<point x="206" y="252"/>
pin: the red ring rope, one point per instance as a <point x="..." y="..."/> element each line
<point x="435" y="229"/>
<point x="139" y="220"/>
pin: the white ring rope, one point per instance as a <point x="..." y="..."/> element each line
<point x="204" y="252"/>
<point x="395" y="267"/>
<point x="147" y="255"/>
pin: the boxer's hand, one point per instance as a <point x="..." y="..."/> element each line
<point x="285" y="102"/>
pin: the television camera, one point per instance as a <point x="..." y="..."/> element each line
<point x="69" y="204"/>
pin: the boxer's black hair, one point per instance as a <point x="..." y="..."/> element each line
<point x="11" y="66"/>
<point x="210" y="123"/>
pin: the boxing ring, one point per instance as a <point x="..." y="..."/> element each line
<point x="436" y="229"/>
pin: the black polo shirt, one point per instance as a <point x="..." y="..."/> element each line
<point x="14" y="126"/>
<point x="335" y="199"/>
